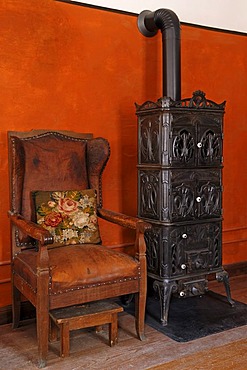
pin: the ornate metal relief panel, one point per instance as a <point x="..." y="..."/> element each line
<point x="209" y="200"/>
<point x="153" y="242"/>
<point x="168" y="243"/>
<point x="215" y="241"/>
<point x="183" y="145"/>
<point x="196" y="139"/>
<point x="177" y="245"/>
<point x="189" y="249"/>
<point x="149" y="194"/>
<point x="149" y="139"/>
<point x="165" y="138"/>
<point x="195" y="194"/>
<point x="177" y="251"/>
<point x="182" y="201"/>
<point x="195" y="248"/>
<point x="184" y="139"/>
<point x="210" y="139"/>
<point x="197" y="252"/>
<point x="178" y="195"/>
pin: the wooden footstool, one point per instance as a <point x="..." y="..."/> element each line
<point x="83" y="316"/>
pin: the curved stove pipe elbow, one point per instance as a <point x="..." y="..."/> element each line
<point x="167" y="21"/>
<point x="146" y="23"/>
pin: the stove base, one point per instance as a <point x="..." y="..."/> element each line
<point x="184" y="288"/>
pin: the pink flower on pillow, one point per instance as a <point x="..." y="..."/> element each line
<point x="67" y="205"/>
<point x="53" y="219"/>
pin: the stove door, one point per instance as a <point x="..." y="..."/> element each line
<point x="183" y="251"/>
<point x="194" y="195"/>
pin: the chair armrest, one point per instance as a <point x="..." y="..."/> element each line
<point x="124" y="220"/>
<point x="132" y="223"/>
<point x="31" y="229"/>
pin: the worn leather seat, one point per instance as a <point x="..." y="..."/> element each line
<point x="86" y="266"/>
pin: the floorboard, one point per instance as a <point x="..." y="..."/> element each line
<point x="18" y="347"/>
<point x="229" y="356"/>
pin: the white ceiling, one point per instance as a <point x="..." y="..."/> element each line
<point x="223" y="14"/>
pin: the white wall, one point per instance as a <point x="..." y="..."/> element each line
<point x="224" y="14"/>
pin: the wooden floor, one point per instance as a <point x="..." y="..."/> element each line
<point x="223" y="351"/>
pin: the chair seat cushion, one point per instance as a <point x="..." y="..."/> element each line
<point x="77" y="267"/>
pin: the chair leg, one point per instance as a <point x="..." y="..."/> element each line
<point x="16" y="307"/>
<point x="140" y="307"/>
<point x="42" y="305"/>
<point x="42" y="324"/>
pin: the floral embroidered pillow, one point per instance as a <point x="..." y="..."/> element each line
<point x="70" y="215"/>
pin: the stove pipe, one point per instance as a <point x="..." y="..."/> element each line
<point x="167" y="21"/>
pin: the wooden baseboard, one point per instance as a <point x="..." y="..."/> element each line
<point x="28" y="311"/>
<point x="233" y="269"/>
<point x="236" y="269"/>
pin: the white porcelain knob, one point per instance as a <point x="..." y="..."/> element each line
<point x="184" y="236"/>
<point x="199" y="145"/>
<point x="183" y="266"/>
<point x="198" y="199"/>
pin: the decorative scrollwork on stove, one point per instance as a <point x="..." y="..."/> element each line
<point x="177" y="246"/>
<point x="152" y="243"/>
<point x="149" y="182"/>
<point x="197" y="260"/>
<point x="197" y="233"/>
<point x="216" y="247"/>
<point x="210" y="200"/>
<point x="147" y="105"/>
<point x="149" y="141"/>
<point x="197" y="101"/>
<point x="174" y="259"/>
<point x="164" y="268"/>
<point x="183" y="146"/>
<point x="183" y="201"/>
<point x="210" y="149"/>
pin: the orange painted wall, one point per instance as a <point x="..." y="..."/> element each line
<point x="77" y="68"/>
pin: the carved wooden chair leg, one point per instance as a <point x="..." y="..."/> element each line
<point x="42" y="317"/>
<point x="16" y="307"/>
<point x="140" y="306"/>
<point x="42" y="308"/>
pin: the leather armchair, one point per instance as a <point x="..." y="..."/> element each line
<point x="70" y="274"/>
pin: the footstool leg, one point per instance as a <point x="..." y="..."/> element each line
<point x="99" y="328"/>
<point x="53" y="335"/>
<point x="64" y="334"/>
<point x="113" y="330"/>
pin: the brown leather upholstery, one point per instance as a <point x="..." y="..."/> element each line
<point x="68" y="275"/>
<point x="86" y="266"/>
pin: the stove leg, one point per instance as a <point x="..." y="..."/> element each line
<point x="223" y="277"/>
<point x="164" y="290"/>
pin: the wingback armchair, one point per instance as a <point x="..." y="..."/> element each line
<point x="57" y="256"/>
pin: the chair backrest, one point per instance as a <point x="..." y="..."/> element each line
<point x="47" y="160"/>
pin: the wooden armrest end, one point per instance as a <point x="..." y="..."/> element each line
<point x="31" y="229"/>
